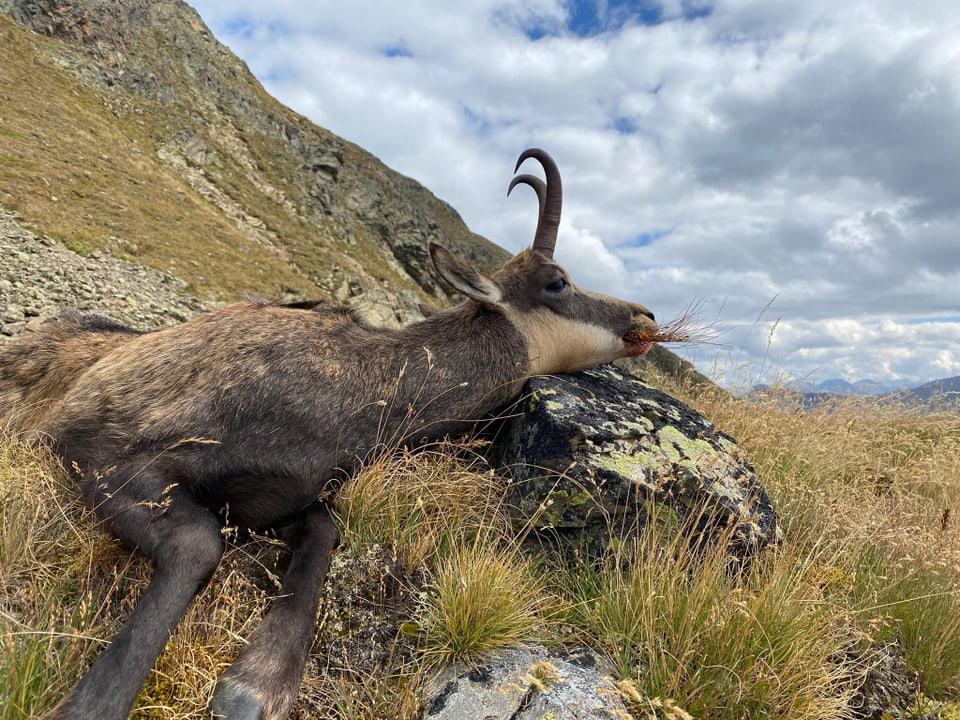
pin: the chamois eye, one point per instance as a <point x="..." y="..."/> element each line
<point x="557" y="285"/>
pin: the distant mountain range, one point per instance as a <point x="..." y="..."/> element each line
<point x="838" y="386"/>
<point x="945" y="391"/>
<point x="942" y="394"/>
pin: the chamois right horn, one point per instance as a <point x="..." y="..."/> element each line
<point x="539" y="187"/>
<point x="550" y="195"/>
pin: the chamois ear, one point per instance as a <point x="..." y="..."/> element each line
<point x="463" y="277"/>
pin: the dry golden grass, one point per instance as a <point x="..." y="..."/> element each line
<point x="419" y="503"/>
<point x="855" y="469"/>
<point x="67" y="588"/>
<point x="868" y="494"/>
<point x="869" y="556"/>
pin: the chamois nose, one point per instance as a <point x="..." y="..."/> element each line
<point x="642" y="310"/>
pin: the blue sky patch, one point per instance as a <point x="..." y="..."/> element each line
<point x="624" y="125"/>
<point x="592" y="17"/>
<point x="647" y="237"/>
<point x="535" y="32"/>
<point x="586" y="18"/>
<point x="397" y="50"/>
<point x="937" y="319"/>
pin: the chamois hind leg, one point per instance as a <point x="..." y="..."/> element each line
<point x="263" y="681"/>
<point x="163" y="521"/>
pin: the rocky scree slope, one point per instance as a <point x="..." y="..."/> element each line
<point x="39" y="278"/>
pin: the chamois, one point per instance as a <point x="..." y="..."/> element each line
<point x="264" y="410"/>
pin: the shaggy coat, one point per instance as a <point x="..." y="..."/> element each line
<point x="254" y="414"/>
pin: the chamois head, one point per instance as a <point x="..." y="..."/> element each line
<point x="566" y="328"/>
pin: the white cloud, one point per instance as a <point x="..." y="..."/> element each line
<point x="802" y="152"/>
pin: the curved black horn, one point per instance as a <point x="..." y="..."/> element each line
<point x="538" y="185"/>
<point x="551" y="202"/>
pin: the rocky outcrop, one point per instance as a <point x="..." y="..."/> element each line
<point x="596" y="455"/>
<point x="530" y="683"/>
<point x="318" y="202"/>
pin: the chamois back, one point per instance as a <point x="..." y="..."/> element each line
<point x="39" y="368"/>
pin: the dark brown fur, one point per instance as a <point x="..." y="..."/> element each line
<point x="40" y="367"/>
<point x="258" y="412"/>
<point x="289" y="399"/>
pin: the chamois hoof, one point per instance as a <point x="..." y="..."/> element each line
<point x="234" y="702"/>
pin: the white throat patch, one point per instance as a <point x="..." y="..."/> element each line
<point x="557" y="344"/>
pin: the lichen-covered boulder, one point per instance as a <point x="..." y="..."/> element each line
<point x="367" y="598"/>
<point x="594" y="455"/>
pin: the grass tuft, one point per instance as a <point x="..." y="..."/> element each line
<point x="418" y="503"/>
<point x="483" y="598"/>
<point x="676" y="624"/>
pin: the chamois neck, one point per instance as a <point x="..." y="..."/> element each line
<point x="474" y="345"/>
<point x="471" y="325"/>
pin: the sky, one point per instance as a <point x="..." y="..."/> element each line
<point x="788" y="168"/>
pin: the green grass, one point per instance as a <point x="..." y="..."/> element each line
<point x="677" y="625"/>
<point x="915" y="605"/>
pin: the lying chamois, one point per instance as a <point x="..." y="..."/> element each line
<point x="261" y="411"/>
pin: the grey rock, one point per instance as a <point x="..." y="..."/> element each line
<point x="368" y="597"/>
<point x="12" y="328"/>
<point x="888" y="688"/>
<point x="597" y="454"/>
<point x="11" y="313"/>
<point x="528" y="684"/>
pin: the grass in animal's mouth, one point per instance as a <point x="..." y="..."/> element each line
<point x="685" y="328"/>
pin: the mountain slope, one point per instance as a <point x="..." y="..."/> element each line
<point x="942" y="394"/>
<point x="128" y="128"/>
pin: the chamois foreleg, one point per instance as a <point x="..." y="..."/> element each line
<point x="263" y="682"/>
<point x="149" y="512"/>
